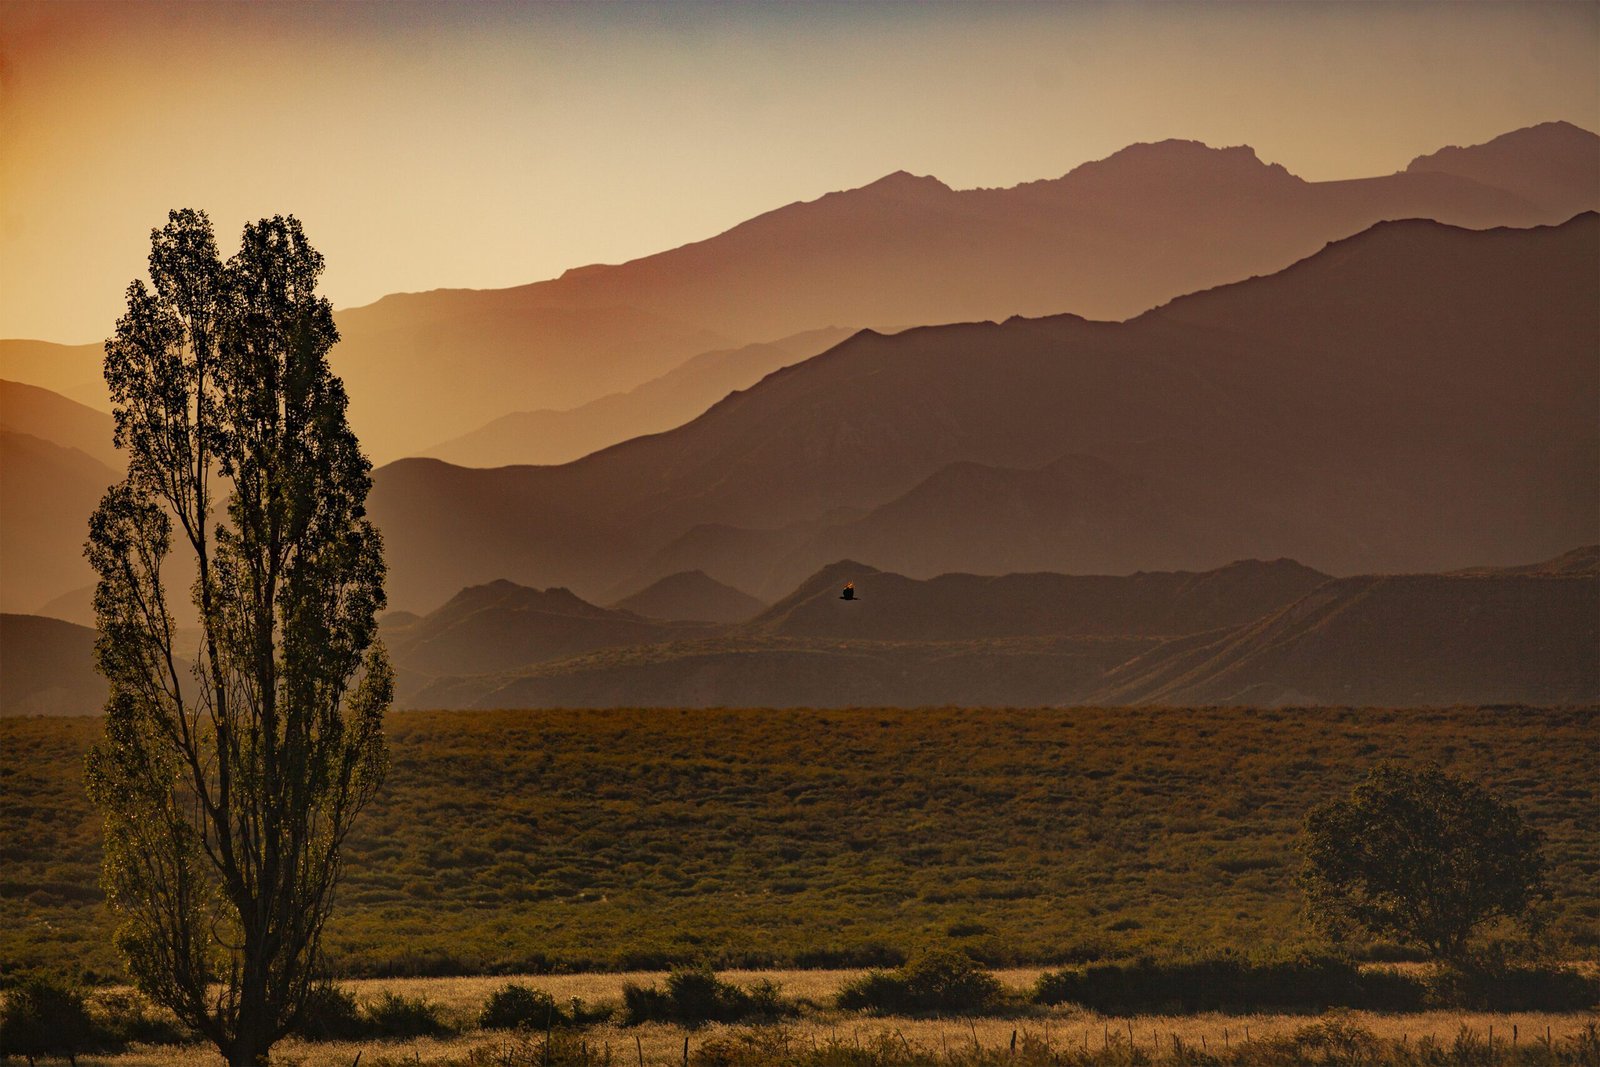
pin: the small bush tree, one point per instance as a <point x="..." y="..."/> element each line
<point x="695" y="995"/>
<point x="942" y="981"/>
<point x="45" y="1017"/>
<point x="514" y="1005"/>
<point x="394" y="1015"/>
<point x="1422" y="856"/>
<point x="330" y="1014"/>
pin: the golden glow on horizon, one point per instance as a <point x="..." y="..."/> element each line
<point x="460" y="145"/>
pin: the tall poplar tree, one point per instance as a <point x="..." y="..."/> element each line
<point x="232" y="767"/>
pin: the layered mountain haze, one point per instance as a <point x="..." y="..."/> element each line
<point x="691" y="596"/>
<point x="50" y="416"/>
<point x="47" y="493"/>
<point x="1566" y="176"/>
<point x="1388" y="404"/>
<point x="1271" y="633"/>
<point x="1107" y="240"/>
<point x="47" y="668"/>
<point x="1521" y="635"/>
<point x="73" y="371"/>
<point x="546" y="437"/>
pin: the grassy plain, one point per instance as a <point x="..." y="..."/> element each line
<point x="1064" y="1031"/>
<point x="509" y="842"/>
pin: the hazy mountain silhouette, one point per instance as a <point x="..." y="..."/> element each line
<point x="691" y="596"/>
<point x="47" y="668"/>
<point x="1417" y="397"/>
<point x="1522" y="634"/>
<point x="1566" y="179"/>
<point x="424" y="367"/>
<point x="961" y="607"/>
<point x="73" y="371"/>
<point x="52" y="417"/>
<point x="501" y="626"/>
<point x="1107" y="240"/>
<point x="544" y="437"/>
<point x="47" y="492"/>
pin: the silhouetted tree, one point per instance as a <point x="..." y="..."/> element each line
<point x="229" y="782"/>
<point x="1421" y="856"/>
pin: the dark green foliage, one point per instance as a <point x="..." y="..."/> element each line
<point x="331" y="1014"/>
<point x="1492" y="983"/>
<point x="122" y="1019"/>
<point x="531" y="842"/>
<point x="228" y="784"/>
<point x="44" y="1016"/>
<point x="394" y="1015"/>
<point x="1228" y="983"/>
<point x="695" y="995"/>
<point x="941" y="982"/>
<point x="514" y="1005"/>
<point x="1423" y="856"/>
<point x="1313" y="984"/>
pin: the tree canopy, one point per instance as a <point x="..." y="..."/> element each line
<point x="1421" y="856"/>
<point x="232" y="768"/>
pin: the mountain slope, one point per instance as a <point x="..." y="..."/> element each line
<point x="1567" y="177"/>
<point x="73" y="371"/>
<point x="1107" y="240"/>
<point x="47" y="493"/>
<point x="501" y="626"/>
<point x="547" y="436"/>
<point x="691" y="596"/>
<point x="1512" y="635"/>
<point x="966" y="607"/>
<point x="47" y="668"/>
<point x="52" y="417"/>
<point x="1392" y="403"/>
<point x="1395" y="641"/>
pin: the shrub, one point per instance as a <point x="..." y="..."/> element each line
<point x="123" y="1018"/>
<point x="330" y="1014"/>
<point x="45" y="1016"/>
<point x="695" y="995"/>
<point x="941" y="981"/>
<point x="1493" y="984"/>
<point x="513" y="1005"/>
<point x="1228" y="983"/>
<point x="394" y="1015"/>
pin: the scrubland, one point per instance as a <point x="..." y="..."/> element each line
<point x="538" y="841"/>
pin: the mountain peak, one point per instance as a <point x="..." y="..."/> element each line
<point x="1176" y="160"/>
<point x="1557" y="136"/>
<point x="902" y="183"/>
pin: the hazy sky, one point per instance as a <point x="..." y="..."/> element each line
<point x="429" y="145"/>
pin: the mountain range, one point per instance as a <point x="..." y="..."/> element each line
<point x="1408" y="402"/>
<point x="1265" y="633"/>
<point x="1107" y="240"/>
<point x="1414" y="398"/>
<point x="1253" y="632"/>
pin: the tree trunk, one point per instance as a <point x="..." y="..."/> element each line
<point x="250" y="1048"/>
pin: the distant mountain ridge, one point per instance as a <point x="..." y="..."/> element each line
<point x="1388" y="404"/>
<point x="1107" y="240"/>
<point x="1253" y="632"/>
<point x="1264" y="633"/>
<point x="692" y="596"/>
<point x="547" y="437"/>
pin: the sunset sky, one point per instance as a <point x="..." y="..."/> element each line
<point x="472" y="145"/>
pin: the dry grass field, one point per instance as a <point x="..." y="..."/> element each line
<point x="1065" y="1030"/>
